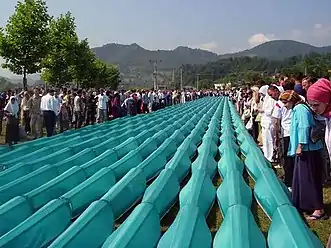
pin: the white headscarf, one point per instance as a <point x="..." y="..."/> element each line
<point x="264" y="89"/>
<point x="12" y="108"/>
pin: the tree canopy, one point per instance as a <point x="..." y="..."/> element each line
<point x="34" y="42"/>
<point x="249" y="69"/>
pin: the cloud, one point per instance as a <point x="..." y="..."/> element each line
<point x="260" y="38"/>
<point x="318" y="34"/>
<point x="211" y="46"/>
<point x="321" y="32"/>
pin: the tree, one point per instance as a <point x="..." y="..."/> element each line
<point x="24" y="40"/>
<point x="105" y="76"/>
<point x="83" y="67"/>
<point x="64" y="43"/>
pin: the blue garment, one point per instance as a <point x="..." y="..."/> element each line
<point x="298" y="89"/>
<point x="301" y="124"/>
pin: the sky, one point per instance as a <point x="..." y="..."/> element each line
<point x="221" y="26"/>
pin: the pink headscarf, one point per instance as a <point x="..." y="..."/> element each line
<point x="321" y="92"/>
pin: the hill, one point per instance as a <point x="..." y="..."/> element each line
<point x="136" y="56"/>
<point x="6" y="84"/>
<point x="279" y="50"/>
<point x="136" y="69"/>
<point x="249" y="69"/>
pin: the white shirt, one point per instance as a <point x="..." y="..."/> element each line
<point x="48" y="103"/>
<point x="268" y="106"/>
<point x="151" y="97"/>
<point x="102" y="101"/>
<point x="285" y="116"/>
<point x="77" y="106"/>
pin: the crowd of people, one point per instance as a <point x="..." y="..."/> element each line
<point x="29" y="112"/>
<point x="291" y="120"/>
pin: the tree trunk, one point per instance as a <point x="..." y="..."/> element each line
<point x="25" y="80"/>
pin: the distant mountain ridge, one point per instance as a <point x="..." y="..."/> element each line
<point x="279" y="50"/>
<point x="137" y="56"/>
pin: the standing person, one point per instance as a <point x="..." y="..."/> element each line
<point x="78" y="109"/>
<point x="254" y="112"/>
<point x="307" y="184"/>
<point x="267" y="123"/>
<point x="283" y="118"/>
<point x="102" y="107"/>
<point x="116" y="106"/>
<point x="64" y="117"/>
<point x="12" y="129"/>
<point x="298" y="85"/>
<point x="36" y="120"/>
<point x="150" y="101"/>
<point x="48" y="106"/>
<point x="145" y="102"/>
<point x="319" y="98"/>
<point x="130" y="104"/>
<point x="2" y="106"/>
<point x="91" y="104"/>
<point x="139" y="102"/>
<point x="26" y="112"/>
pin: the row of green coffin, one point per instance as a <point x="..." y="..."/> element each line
<point x="196" y="199"/>
<point x="27" y="147"/>
<point x="76" y="144"/>
<point x="287" y="228"/>
<point x="72" y="147"/>
<point x="91" y="166"/>
<point x="148" y="194"/>
<point x="29" y="150"/>
<point x="236" y="192"/>
<point x="92" y="180"/>
<point x="199" y="193"/>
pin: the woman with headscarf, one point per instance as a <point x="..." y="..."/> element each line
<point x="11" y="111"/>
<point x="116" y="105"/>
<point x="307" y="183"/>
<point x="319" y="98"/>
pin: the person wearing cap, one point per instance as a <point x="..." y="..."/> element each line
<point x="49" y="109"/>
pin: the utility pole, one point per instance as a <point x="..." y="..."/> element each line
<point x="198" y="81"/>
<point x="155" y="63"/>
<point x="181" y="78"/>
<point x="173" y="79"/>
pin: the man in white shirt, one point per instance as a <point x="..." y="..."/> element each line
<point x="48" y="106"/>
<point x="267" y="122"/>
<point x="102" y="106"/>
<point x="151" y="100"/>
